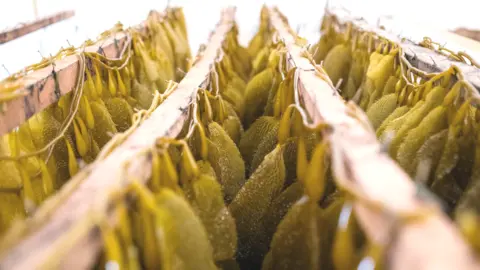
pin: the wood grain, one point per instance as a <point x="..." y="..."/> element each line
<point x="420" y="57"/>
<point x="359" y="163"/>
<point x="39" y="86"/>
<point x="66" y="235"/>
<point x="27" y="28"/>
<point x="469" y="33"/>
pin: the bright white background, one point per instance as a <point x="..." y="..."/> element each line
<point x="94" y="16"/>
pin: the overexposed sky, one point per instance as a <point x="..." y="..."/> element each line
<point x="93" y="17"/>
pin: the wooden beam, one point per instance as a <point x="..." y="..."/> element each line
<point x="39" y="86"/>
<point x="468" y="33"/>
<point x="27" y="28"/>
<point x="64" y="228"/>
<point x="420" y="57"/>
<point x="359" y="164"/>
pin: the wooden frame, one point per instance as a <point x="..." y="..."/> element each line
<point x="39" y="86"/>
<point x="30" y="27"/>
<point x="420" y="57"/>
<point x="65" y="226"/>
<point x="360" y="164"/>
<point x="468" y="33"/>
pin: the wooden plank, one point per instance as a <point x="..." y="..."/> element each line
<point x="473" y="34"/>
<point x="359" y="163"/>
<point x="30" y="27"/>
<point x="415" y="31"/>
<point x="39" y="86"/>
<point x="70" y="234"/>
<point x="420" y="57"/>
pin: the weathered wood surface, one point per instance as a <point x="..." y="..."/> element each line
<point x="39" y="86"/>
<point x="420" y="57"/>
<point x="30" y="27"/>
<point x="67" y="230"/>
<point x="359" y="163"/>
<point x="469" y="33"/>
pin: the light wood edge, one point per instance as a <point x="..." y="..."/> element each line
<point x="468" y="38"/>
<point x="26" y="28"/>
<point x="359" y="163"/>
<point x="39" y="85"/>
<point x="420" y="57"/>
<point x="70" y="233"/>
<point x="415" y="31"/>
